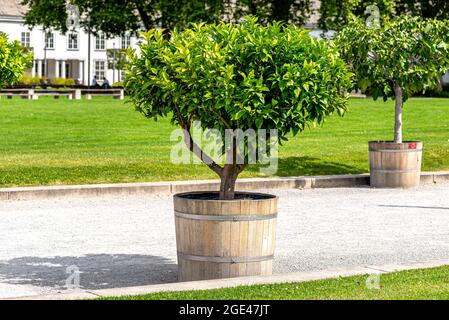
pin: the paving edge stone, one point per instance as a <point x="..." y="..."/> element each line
<point x="165" y="188"/>
<point x="233" y="282"/>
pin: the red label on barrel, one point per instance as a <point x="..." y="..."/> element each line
<point x="412" y="145"/>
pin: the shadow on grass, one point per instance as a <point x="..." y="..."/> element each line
<point x="310" y="166"/>
<point x="96" y="271"/>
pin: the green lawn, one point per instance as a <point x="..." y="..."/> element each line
<point x="51" y="142"/>
<point x="415" y="284"/>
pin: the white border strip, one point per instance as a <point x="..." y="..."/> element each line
<point x="234" y="282"/>
<point x="167" y="188"/>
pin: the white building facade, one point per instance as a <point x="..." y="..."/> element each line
<point x="58" y="55"/>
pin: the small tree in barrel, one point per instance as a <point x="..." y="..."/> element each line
<point x="402" y="57"/>
<point x="237" y="76"/>
<point x="14" y="59"/>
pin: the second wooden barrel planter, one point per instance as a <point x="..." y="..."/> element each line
<point x="224" y="238"/>
<point x="395" y="165"/>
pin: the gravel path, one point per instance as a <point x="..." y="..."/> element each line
<point x="117" y="242"/>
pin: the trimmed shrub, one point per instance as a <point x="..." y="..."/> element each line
<point x="28" y="80"/>
<point x="62" y="82"/>
<point x="13" y="61"/>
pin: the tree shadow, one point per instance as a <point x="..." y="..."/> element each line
<point x="413" y="207"/>
<point x="310" y="166"/>
<point x="96" y="271"/>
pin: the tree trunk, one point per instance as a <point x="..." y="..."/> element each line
<point x="398" y="114"/>
<point x="143" y="10"/>
<point x="252" y="8"/>
<point x="228" y="179"/>
<point x="281" y="10"/>
<point x="230" y="172"/>
<point x="440" y="85"/>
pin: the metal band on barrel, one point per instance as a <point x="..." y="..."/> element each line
<point x="207" y="217"/>
<point x="224" y="259"/>
<point x="398" y="150"/>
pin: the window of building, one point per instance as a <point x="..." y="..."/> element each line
<point x="26" y="39"/>
<point x="126" y="41"/>
<point x="100" y="69"/>
<point x="72" y="41"/>
<point x="49" y="40"/>
<point x="100" y="42"/>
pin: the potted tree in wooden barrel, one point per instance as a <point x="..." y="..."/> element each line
<point x="403" y="56"/>
<point x="234" y="79"/>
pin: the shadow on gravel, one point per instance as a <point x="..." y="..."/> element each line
<point x="412" y="207"/>
<point x="96" y="271"/>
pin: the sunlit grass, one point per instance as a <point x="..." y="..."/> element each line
<point x="421" y="284"/>
<point x="50" y="142"/>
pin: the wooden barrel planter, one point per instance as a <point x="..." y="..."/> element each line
<point x="395" y="165"/>
<point x="224" y="238"/>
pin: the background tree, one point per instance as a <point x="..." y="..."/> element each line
<point x="237" y="76"/>
<point x="124" y="16"/>
<point x="335" y="14"/>
<point x="438" y="9"/>
<point x="116" y="58"/>
<point x="111" y="17"/>
<point x="402" y="57"/>
<point x="128" y="16"/>
<point x="14" y="60"/>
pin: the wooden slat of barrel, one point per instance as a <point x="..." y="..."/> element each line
<point x="395" y="165"/>
<point x="225" y="268"/>
<point x="235" y="248"/>
<point x="243" y="244"/>
<point x="227" y="243"/>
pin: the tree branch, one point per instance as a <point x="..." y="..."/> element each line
<point x="193" y="146"/>
<point x="196" y="150"/>
<point x="226" y="123"/>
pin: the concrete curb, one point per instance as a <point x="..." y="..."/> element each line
<point x="165" y="188"/>
<point x="234" y="282"/>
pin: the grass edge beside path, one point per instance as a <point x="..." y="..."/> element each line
<point x="416" y="284"/>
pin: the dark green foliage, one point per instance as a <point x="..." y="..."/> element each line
<point x="438" y="9"/>
<point x="295" y="12"/>
<point x="110" y="17"/>
<point x="119" y="17"/>
<point x="335" y="14"/>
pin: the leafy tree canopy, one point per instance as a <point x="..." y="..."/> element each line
<point x="238" y="76"/>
